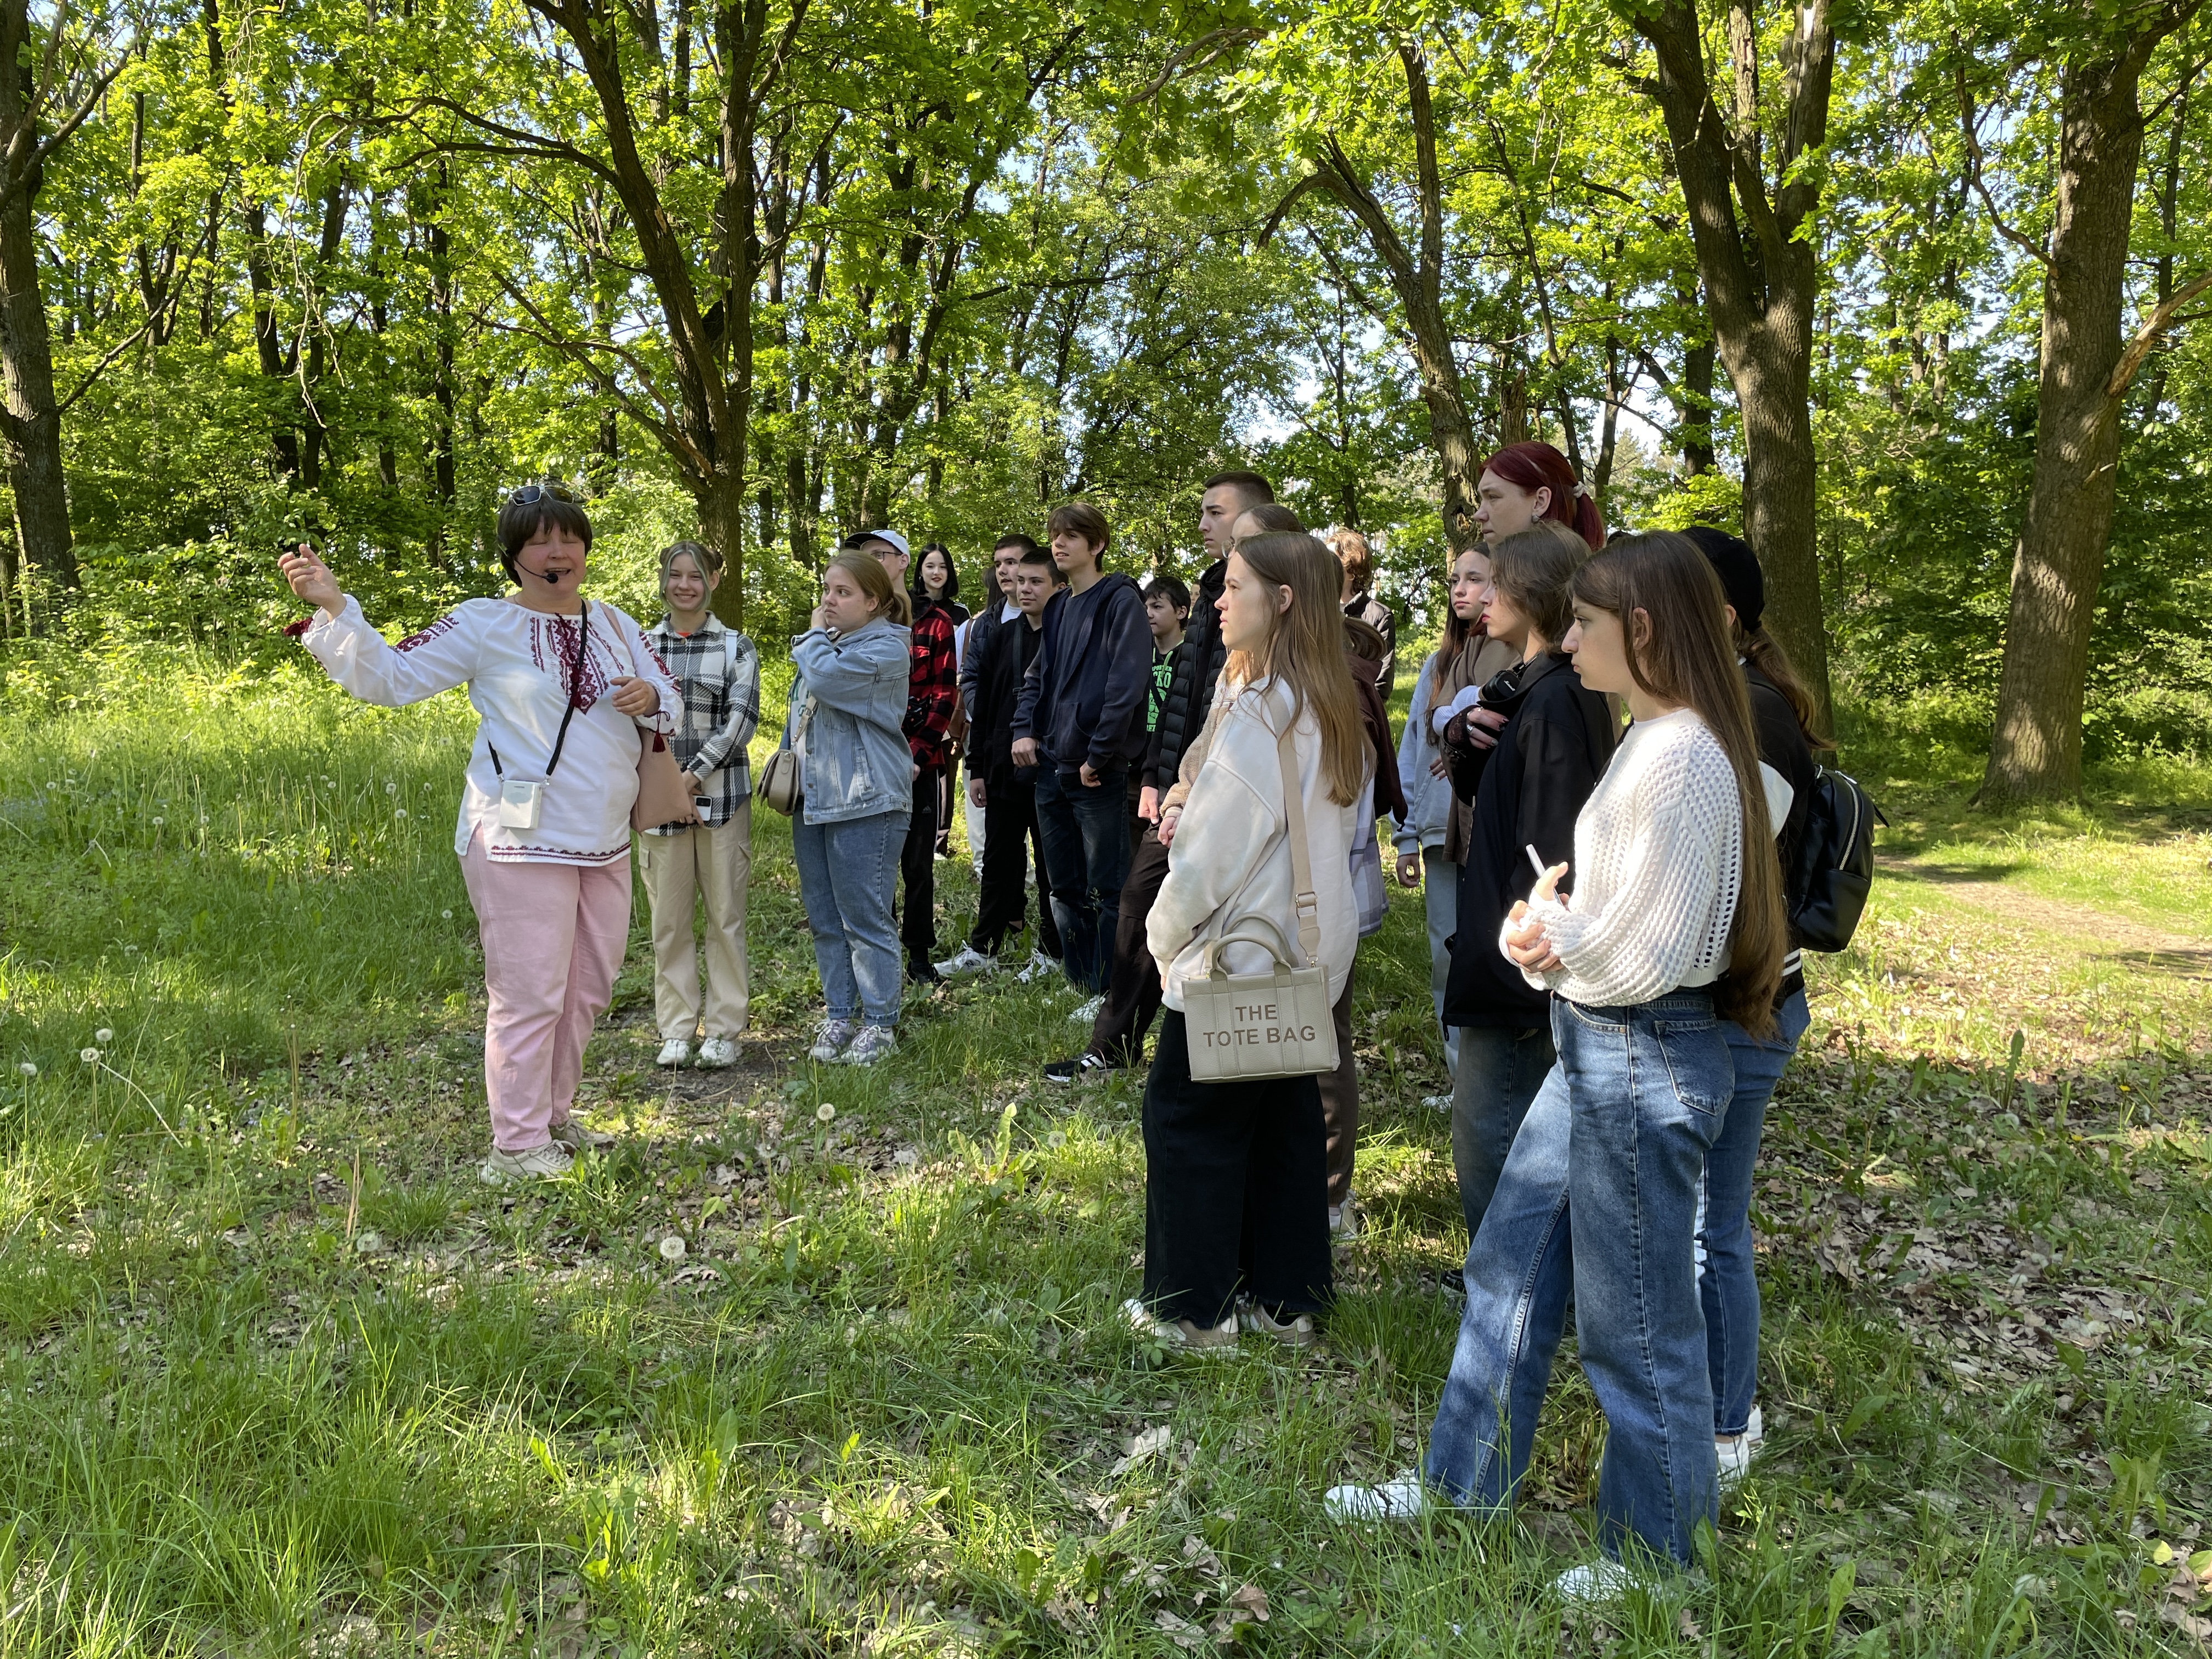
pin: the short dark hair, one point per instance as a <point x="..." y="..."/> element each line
<point x="1250" y="485"/>
<point x="517" y="524"/>
<point x="921" y="588"/>
<point x="1085" y="520"/>
<point x="1016" y="538"/>
<point x="1031" y="553"/>
<point x="1160" y="581"/>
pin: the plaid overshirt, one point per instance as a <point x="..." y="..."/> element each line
<point x="718" y="675"/>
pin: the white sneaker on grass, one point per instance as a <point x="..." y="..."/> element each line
<point x="1437" y="1102"/>
<point x="1402" y="1499"/>
<point x="576" y="1138"/>
<point x="969" y="960"/>
<point x="1087" y="1012"/>
<point x="1343" y="1218"/>
<point x="830" y="1038"/>
<point x="674" y="1052"/>
<point x="1736" y="1451"/>
<point x="1593" y="1584"/>
<point x="532" y="1163"/>
<point x="1296" y="1332"/>
<point x="873" y="1042"/>
<point x="718" y="1051"/>
<point x="1180" y="1333"/>
<point x="1039" y="967"/>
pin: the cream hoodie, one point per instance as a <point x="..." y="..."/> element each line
<point x="1231" y="859"/>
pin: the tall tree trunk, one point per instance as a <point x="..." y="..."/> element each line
<point x="30" y="420"/>
<point x="314" y="437"/>
<point x="2035" y="751"/>
<point x="1760" y="290"/>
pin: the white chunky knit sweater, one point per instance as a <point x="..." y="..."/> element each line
<point x="1658" y="859"/>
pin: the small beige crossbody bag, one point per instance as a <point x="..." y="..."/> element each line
<point x="1245" y="1026"/>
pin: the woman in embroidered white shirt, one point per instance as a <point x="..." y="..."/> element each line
<point x="562" y="686"/>
<point x="1676" y="918"/>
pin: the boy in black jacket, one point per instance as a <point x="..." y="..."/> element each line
<point x="999" y="652"/>
<point x="1080" y="721"/>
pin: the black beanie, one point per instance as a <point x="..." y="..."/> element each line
<point x="1737" y="566"/>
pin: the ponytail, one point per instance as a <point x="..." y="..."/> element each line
<point x="1764" y="652"/>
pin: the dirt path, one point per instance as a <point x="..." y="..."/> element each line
<point x="2089" y="926"/>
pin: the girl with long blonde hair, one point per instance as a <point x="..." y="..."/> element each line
<point x="1236" y="1172"/>
<point x="1675" y="925"/>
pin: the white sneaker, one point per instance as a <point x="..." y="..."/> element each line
<point x="873" y="1042"/>
<point x="1593" y="1584"/>
<point x="1403" y="1499"/>
<point x="969" y="961"/>
<point x="1437" y="1102"/>
<point x="1088" y="1012"/>
<point x="1040" y="967"/>
<point x="1296" y="1332"/>
<point x="532" y="1163"/>
<point x="1180" y="1333"/>
<point x="674" y="1052"/>
<point x="830" y="1038"/>
<point x="1343" y="1218"/>
<point x="1736" y="1451"/>
<point x="718" y="1051"/>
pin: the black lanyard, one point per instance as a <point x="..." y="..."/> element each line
<point x="575" y="669"/>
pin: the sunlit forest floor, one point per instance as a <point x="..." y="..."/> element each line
<point x="819" y="1361"/>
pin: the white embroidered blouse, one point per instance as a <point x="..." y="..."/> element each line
<point x="519" y="665"/>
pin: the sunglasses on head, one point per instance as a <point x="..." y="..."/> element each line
<point x="530" y="494"/>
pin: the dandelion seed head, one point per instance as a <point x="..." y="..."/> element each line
<point x="401" y="814"/>
<point x="825" y="1113"/>
<point x="89" y="1056"/>
<point x="391" y="788"/>
<point x="28" y="1068"/>
<point x="1055" y="1141"/>
<point x="157" y="823"/>
<point x="671" y="1248"/>
<point x="103" y="1036"/>
<point x="449" y="915"/>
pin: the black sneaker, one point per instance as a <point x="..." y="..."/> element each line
<point x="1069" y="1071"/>
<point x="921" y="972"/>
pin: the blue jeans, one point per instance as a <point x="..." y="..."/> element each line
<point x="1440" y="899"/>
<point x="847" y="872"/>
<point x="1499" y="1071"/>
<point x="1087" y="854"/>
<point x="1643" y="1091"/>
<point x="1727" y="1283"/>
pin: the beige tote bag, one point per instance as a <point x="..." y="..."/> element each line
<point x="1245" y="1026"/>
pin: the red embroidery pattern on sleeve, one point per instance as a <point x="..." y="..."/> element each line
<point x="441" y="626"/>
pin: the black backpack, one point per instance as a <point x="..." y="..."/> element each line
<point x="1835" y="862"/>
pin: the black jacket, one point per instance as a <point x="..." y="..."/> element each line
<point x="1558" y="741"/>
<point x="1782" y="745"/>
<point x="992" y="674"/>
<point x="1190" y="693"/>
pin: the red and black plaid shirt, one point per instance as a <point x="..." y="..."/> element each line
<point x="932" y="685"/>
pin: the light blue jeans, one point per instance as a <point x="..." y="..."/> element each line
<point x="1727" y="1283"/>
<point x="1641" y="1093"/>
<point x="847" y="872"/>
<point x="1440" y="898"/>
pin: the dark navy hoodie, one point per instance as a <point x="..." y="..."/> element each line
<point x="1084" y="697"/>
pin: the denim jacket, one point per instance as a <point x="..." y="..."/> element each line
<point x="849" y="706"/>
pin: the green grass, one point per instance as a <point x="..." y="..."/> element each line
<point x="277" y="1376"/>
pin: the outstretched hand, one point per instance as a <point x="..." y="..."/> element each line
<point x="312" y="580"/>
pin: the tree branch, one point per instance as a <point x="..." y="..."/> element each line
<point x="1213" y="43"/>
<point x="2147" y="336"/>
<point x="1966" y="125"/>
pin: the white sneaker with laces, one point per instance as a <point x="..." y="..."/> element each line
<point x="873" y="1042"/>
<point x="1437" y="1102"/>
<point x="1040" y="967"/>
<point x="1593" y="1584"/>
<point x="674" y="1052"/>
<point x="1087" y="1012"/>
<point x="830" y="1038"/>
<point x="532" y="1163"/>
<point x="969" y="960"/>
<point x="1402" y="1499"/>
<point x="1181" y="1332"/>
<point x="1343" y="1218"/>
<point x="1736" y="1451"/>
<point x="718" y="1051"/>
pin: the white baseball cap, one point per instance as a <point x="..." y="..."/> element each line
<point x="890" y="536"/>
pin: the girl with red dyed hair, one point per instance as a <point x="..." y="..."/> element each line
<point x="1525" y="483"/>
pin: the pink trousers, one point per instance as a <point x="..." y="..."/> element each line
<point x="553" y="936"/>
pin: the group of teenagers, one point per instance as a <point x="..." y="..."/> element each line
<point x="1611" y="963"/>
